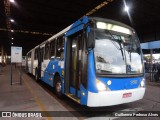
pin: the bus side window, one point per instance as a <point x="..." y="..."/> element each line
<point x="60" y="48"/>
<point x="42" y="54"/>
<point x="29" y="56"/>
<point x="46" y="55"/>
<point x="36" y="54"/>
<point x="52" y="49"/>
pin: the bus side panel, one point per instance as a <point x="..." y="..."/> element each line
<point x="29" y="63"/>
<point x="63" y="71"/>
<point x="35" y="66"/>
<point x="83" y="95"/>
<point x="29" y="66"/>
<point x="35" y="63"/>
<point x="50" y="72"/>
<point x="122" y="83"/>
<point x="32" y="60"/>
<point x="26" y="66"/>
<point x="44" y="75"/>
<point x="53" y="67"/>
<point x="91" y="73"/>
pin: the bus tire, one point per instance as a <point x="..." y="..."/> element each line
<point x="58" y="87"/>
<point x="36" y="76"/>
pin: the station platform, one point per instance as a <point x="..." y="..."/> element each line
<point x="33" y="97"/>
<point x="29" y="96"/>
<point x="153" y="82"/>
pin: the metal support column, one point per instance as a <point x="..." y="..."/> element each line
<point x="151" y="65"/>
<point x="2" y="54"/>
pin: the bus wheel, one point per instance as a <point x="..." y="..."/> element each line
<point x="58" y="86"/>
<point x="36" y="76"/>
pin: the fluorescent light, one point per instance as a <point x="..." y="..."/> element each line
<point x="12" y="20"/>
<point x="12" y="1"/>
<point x="102" y="25"/>
<point x="126" y="8"/>
<point x="121" y="29"/>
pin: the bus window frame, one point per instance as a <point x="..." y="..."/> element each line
<point x="60" y="41"/>
<point x="36" y="54"/>
<point x="46" y="55"/>
<point x="52" y="44"/>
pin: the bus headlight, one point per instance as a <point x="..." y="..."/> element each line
<point x="142" y="84"/>
<point x="100" y="86"/>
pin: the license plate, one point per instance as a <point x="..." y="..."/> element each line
<point x="126" y="95"/>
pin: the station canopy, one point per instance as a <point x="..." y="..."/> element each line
<point x="155" y="46"/>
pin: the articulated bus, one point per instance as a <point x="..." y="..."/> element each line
<point x="95" y="62"/>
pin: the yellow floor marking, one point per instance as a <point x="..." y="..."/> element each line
<point x="36" y="99"/>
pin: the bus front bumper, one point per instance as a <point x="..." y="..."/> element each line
<point x="109" y="98"/>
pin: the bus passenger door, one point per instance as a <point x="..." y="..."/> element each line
<point x="40" y="60"/>
<point x="74" y="66"/>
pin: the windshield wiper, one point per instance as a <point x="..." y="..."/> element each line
<point x="131" y="47"/>
<point x="121" y="50"/>
<point x="113" y="42"/>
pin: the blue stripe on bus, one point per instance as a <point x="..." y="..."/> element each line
<point x="79" y="94"/>
<point x="83" y="97"/>
<point x="121" y="83"/>
<point x="51" y="72"/>
<point x="88" y="29"/>
<point x="91" y="73"/>
<point x="63" y="82"/>
<point x="74" y="30"/>
<point x="83" y="20"/>
<point x="72" y="90"/>
<point x="77" y="26"/>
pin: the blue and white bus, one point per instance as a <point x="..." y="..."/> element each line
<point x="94" y="61"/>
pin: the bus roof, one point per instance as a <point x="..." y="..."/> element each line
<point x="73" y="25"/>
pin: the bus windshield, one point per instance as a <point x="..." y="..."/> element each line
<point x="117" y="53"/>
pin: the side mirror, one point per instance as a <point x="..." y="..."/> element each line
<point x="90" y="38"/>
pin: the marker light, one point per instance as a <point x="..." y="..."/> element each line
<point x="83" y="93"/>
<point x="109" y="82"/>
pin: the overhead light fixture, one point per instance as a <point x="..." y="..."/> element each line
<point x="12" y="1"/>
<point x="12" y="20"/>
<point x="126" y="8"/>
<point x="12" y="38"/>
<point x="12" y="30"/>
<point x="12" y="43"/>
